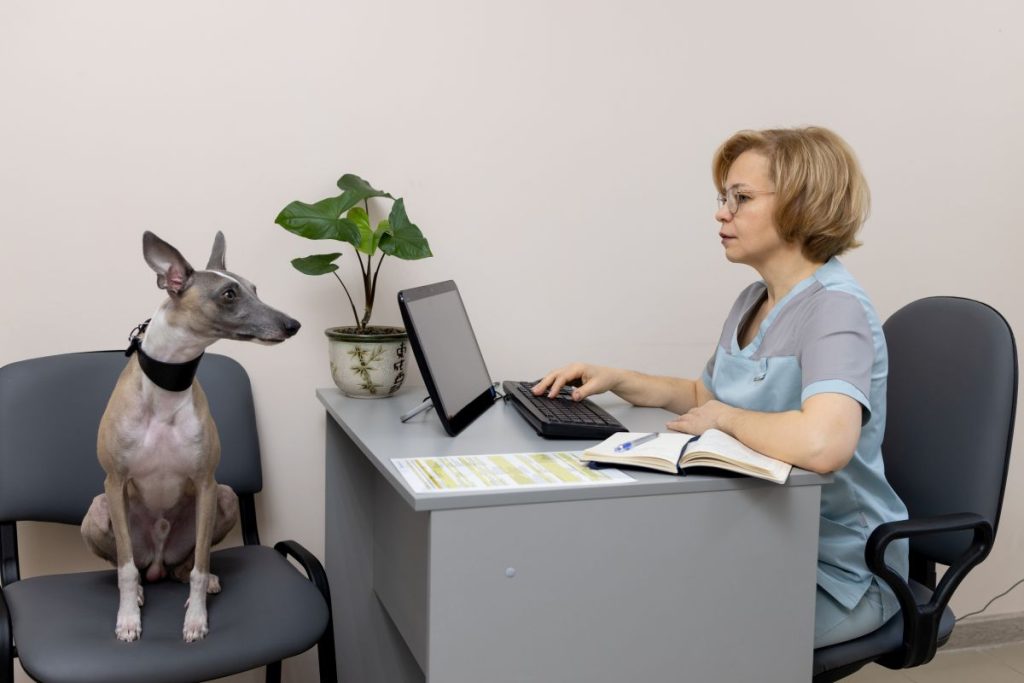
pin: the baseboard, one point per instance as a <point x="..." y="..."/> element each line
<point x="985" y="631"/>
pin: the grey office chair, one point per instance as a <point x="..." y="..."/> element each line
<point x="62" y="626"/>
<point x="951" y="405"/>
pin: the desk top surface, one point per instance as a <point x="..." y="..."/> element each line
<point x="374" y="427"/>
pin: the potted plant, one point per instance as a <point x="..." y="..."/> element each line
<point x="367" y="361"/>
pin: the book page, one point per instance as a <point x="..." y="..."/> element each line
<point x="666" y="447"/>
<point x="713" y="442"/>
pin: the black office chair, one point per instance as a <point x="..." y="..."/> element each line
<point x="951" y="405"/>
<point x="62" y="626"/>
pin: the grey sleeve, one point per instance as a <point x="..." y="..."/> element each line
<point x="837" y="350"/>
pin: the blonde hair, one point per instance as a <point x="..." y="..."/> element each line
<point x="822" y="199"/>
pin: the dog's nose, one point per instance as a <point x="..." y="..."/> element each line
<point x="291" y="326"/>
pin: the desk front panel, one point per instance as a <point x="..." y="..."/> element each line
<point x="715" y="586"/>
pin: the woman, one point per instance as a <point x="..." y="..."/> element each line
<point x="800" y="369"/>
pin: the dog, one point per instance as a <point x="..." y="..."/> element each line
<point x="162" y="509"/>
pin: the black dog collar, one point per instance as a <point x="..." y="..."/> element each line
<point x="168" y="376"/>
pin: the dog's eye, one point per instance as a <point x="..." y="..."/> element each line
<point x="229" y="295"/>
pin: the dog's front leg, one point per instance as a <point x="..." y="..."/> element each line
<point x="129" y="614"/>
<point x="196" y="626"/>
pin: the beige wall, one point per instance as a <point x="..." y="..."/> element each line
<point x="568" y="141"/>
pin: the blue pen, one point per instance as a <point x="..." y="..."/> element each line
<point x="625" y="446"/>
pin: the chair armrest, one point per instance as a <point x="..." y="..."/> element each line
<point x="921" y="622"/>
<point x="315" y="571"/>
<point x="6" y="643"/>
<point x="307" y="560"/>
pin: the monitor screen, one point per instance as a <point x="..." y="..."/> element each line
<point x="446" y="351"/>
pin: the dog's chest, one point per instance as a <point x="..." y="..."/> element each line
<point x="163" y="455"/>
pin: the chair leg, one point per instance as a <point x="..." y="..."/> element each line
<point x="325" y="654"/>
<point x="7" y="649"/>
<point x="274" y="672"/>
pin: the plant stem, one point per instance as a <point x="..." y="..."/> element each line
<point x="369" y="284"/>
<point x="355" y="315"/>
<point x="373" y="291"/>
<point x="374" y="286"/>
<point x="367" y="288"/>
<point x="368" y="308"/>
<point x="363" y="270"/>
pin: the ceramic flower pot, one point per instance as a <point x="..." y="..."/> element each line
<point x="370" y="364"/>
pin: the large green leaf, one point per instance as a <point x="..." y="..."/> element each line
<point x="354" y="186"/>
<point x="318" y="264"/>
<point x="358" y="215"/>
<point x="319" y="221"/>
<point x="403" y="239"/>
<point x="382" y="227"/>
<point x="356" y="190"/>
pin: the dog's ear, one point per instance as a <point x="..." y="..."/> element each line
<point x="173" y="272"/>
<point x="217" y="255"/>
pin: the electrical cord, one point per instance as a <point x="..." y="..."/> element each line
<point x="971" y="614"/>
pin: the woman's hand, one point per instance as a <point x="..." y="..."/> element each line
<point x="698" y="420"/>
<point x="593" y="379"/>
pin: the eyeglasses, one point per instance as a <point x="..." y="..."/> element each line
<point x="735" y="197"/>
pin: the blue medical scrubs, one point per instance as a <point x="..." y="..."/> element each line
<point x="824" y="336"/>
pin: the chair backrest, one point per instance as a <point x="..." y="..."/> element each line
<point x="50" y="411"/>
<point x="951" y="403"/>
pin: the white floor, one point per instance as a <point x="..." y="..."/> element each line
<point x="1003" y="664"/>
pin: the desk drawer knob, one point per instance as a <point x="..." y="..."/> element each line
<point x="510" y="572"/>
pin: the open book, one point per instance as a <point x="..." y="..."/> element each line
<point x="673" y="452"/>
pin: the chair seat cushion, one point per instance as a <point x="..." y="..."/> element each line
<point x="885" y="639"/>
<point x="64" y="624"/>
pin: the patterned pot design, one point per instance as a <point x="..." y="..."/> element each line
<point x="369" y="365"/>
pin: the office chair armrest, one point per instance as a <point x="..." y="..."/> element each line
<point x="921" y="622"/>
<point x="6" y="643"/>
<point x="307" y="560"/>
<point x="315" y="571"/>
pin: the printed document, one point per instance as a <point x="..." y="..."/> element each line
<point x="509" y="471"/>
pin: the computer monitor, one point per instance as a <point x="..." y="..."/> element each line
<point x="447" y="353"/>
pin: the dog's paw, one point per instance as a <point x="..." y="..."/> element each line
<point x="214" y="585"/>
<point x="129" y="625"/>
<point x="195" y="627"/>
<point x="142" y="597"/>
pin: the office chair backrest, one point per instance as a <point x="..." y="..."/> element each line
<point x="50" y="411"/>
<point x="951" y="404"/>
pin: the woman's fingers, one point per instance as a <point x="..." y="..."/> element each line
<point x="589" y="387"/>
<point x="553" y="382"/>
<point x="593" y="379"/>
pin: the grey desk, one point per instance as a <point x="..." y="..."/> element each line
<point x="663" y="579"/>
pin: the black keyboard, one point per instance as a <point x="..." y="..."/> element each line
<point x="561" y="417"/>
